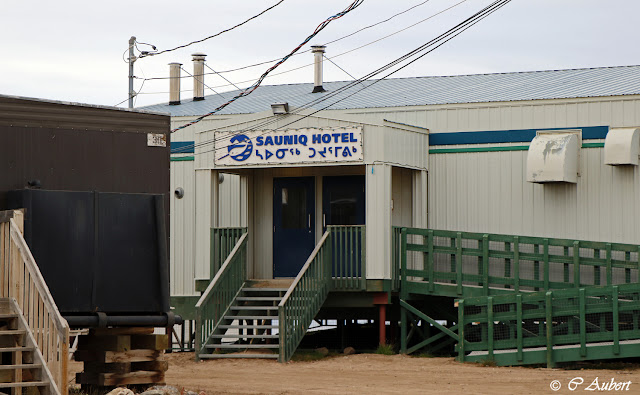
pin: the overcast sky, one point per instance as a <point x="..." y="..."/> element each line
<point x="72" y="50"/>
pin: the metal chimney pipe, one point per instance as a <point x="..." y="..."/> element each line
<point x="318" y="53"/>
<point x="174" y="83"/>
<point x="198" y="76"/>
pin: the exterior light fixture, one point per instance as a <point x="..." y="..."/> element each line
<point x="280" y="108"/>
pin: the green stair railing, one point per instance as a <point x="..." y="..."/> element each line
<point x="222" y="242"/>
<point x="304" y="298"/>
<point x="449" y="263"/>
<point x="348" y="245"/>
<point x="220" y="294"/>
<point x="396" y="256"/>
<point x="551" y="327"/>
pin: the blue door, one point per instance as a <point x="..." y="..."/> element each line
<point x="293" y="224"/>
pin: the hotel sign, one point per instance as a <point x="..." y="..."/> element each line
<point x="288" y="147"/>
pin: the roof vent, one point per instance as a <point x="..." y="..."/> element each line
<point x="318" y="53"/>
<point x="198" y="76"/>
<point x="174" y="83"/>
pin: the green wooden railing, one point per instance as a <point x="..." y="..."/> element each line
<point x="304" y="298"/>
<point x="453" y="263"/>
<point x="222" y="242"/>
<point x="348" y="245"/>
<point x="396" y="255"/>
<point x="553" y="326"/>
<point x="220" y="294"/>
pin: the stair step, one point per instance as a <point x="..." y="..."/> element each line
<point x="270" y="308"/>
<point x="250" y="317"/>
<point x="21" y="366"/>
<point x="248" y="326"/>
<point x="238" y="356"/>
<point x="264" y="289"/>
<point x="13" y="332"/>
<point x="241" y="346"/>
<point x="12" y="349"/>
<point x="258" y="298"/>
<point x="5" y="316"/>
<point x="25" y="384"/>
<point x="238" y="336"/>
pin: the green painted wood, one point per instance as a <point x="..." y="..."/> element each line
<point x="583" y="324"/>
<point x="430" y="320"/>
<point x="307" y="293"/>
<point x="461" y="332"/>
<point x="549" y="320"/>
<point x="220" y="294"/>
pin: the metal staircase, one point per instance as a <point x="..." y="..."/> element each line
<point x="249" y="329"/>
<point x="22" y="369"/>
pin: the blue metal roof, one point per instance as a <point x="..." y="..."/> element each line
<point x="417" y="91"/>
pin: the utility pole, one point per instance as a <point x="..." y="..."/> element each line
<point x="132" y="59"/>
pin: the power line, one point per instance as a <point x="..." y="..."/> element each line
<point x="340" y="54"/>
<point x="253" y="87"/>
<point x="329" y="42"/>
<point x="221" y="76"/>
<point x="145" y="54"/>
<point x="197" y="79"/>
<point x="430" y="45"/>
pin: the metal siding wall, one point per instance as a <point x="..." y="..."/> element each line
<point x="378" y="220"/>
<point x="488" y="192"/>
<point x="401" y="193"/>
<point x="263" y="224"/>
<point x="229" y="202"/>
<point x="182" y="229"/>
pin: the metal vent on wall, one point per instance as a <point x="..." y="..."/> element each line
<point x="554" y="156"/>
<point x="622" y="147"/>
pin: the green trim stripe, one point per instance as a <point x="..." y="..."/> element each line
<point x="497" y="149"/>
<point x="183" y="159"/>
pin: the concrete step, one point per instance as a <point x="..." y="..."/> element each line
<point x="238" y="356"/>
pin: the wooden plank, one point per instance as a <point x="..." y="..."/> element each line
<point x="105" y="343"/>
<point x="105" y="379"/>
<point x="125" y="367"/>
<point x="149" y="342"/>
<point x="118" y="356"/>
<point x="121" y="331"/>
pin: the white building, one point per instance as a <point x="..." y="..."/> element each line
<point x="547" y="153"/>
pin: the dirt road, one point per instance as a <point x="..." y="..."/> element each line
<point x="380" y="374"/>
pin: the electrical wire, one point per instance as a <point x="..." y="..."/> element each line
<point x="221" y="76"/>
<point x="422" y="51"/>
<point x="329" y="42"/>
<point x="340" y="54"/>
<point x="145" y="54"/>
<point x="197" y="79"/>
<point x="253" y="87"/>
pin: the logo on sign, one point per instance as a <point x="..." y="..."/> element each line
<point x="240" y="148"/>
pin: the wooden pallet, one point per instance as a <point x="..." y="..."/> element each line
<point x="121" y="356"/>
